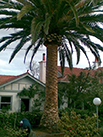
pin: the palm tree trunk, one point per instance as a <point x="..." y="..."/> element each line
<point x="50" y="115"/>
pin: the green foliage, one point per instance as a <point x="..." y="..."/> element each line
<point x="14" y="132"/>
<point x="70" y="123"/>
<point x="101" y="132"/>
<point x="5" y="108"/>
<point x="82" y="89"/>
<point x="78" y="111"/>
<point x="9" y="123"/>
<point x="31" y="91"/>
<point x="13" y="119"/>
<point x="22" y="106"/>
<point x="74" y="125"/>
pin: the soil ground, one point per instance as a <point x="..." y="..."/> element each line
<point x="41" y="133"/>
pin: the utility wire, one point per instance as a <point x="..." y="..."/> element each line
<point x="24" y="49"/>
<point x="39" y="49"/>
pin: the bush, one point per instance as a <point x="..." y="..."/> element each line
<point x="13" y="119"/>
<point x="78" y="111"/>
<point x="75" y="126"/>
<point x="14" y="132"/>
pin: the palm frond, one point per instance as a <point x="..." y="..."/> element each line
<point x="8" y="40"/>
<point x="72" y="20"/>
<point x="35" y="29"/>
<point x="46" y="24"/>
<point x="68" y="55"/>
<point x="61" y="58"/>
<point x="36" y="47"/>
<point x="18" y="47"/>
<point x="24" y="10"/>
<point x="27" y="51"/>
<point x="75" y="13"/>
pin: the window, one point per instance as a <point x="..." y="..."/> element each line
<point x="5" y="102"/>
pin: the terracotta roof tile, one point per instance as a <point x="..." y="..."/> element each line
<point x="75" y="71"/>
<point x="6" y="78"/>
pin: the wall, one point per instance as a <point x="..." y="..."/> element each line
<point x="12" y="90"/>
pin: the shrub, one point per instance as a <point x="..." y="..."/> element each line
<point x="75" y="126"/>
<point x="13" y="119"/>
<point x="78" y="111"/>
<point x="14" y="132"/>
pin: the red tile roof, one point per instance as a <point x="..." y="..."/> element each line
<point x="6" y="78"/>
<point x="75" y="71"/>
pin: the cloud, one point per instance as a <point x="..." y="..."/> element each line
<point x="17" y="65"/>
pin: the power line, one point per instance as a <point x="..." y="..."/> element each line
<point x="23" y="49"/>
<point x="38" y="50"/>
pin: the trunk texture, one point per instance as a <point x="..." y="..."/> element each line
<point x="50" y="115"/>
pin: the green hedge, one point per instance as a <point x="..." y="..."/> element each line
<point x="14" y="119"/>
<point x="34" y="117"/>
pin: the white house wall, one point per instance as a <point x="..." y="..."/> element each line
<point x="12" y="90"/>
<point x="18" y="85"/>
<point x="15" y="105"/>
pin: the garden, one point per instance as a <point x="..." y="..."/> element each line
<point x="73" y="122"/>
<point x="77" y="119"/>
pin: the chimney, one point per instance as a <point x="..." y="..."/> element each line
<point x="42" y="75"/>
<point x="43" y="56"/>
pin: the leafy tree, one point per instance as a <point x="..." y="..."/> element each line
<point x="61" y="25"/>
<point x="82" y="89"/>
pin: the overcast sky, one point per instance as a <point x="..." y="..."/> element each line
<point x="17" y="66"/>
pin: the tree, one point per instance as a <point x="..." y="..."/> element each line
<point x="82" y="89"/>
<point x="34" y="69"/>
<point x="61" y="25"/>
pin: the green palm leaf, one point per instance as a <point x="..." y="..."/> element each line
<point x="18" y="47"/>
<point x="24" y="11"/>
<point x="46" y="24"/>
<point x="35" y="29"/>
<point x="35" y="50"/>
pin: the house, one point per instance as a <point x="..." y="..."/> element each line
<point x="10" y="86"/>
<point x="67" y="71"/>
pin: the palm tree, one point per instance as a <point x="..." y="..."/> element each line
<point x="60" y="25"/>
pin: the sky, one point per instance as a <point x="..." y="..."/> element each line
<point x="17" y="66"/>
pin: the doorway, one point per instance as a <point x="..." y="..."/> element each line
<point x="24" y="104"/>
